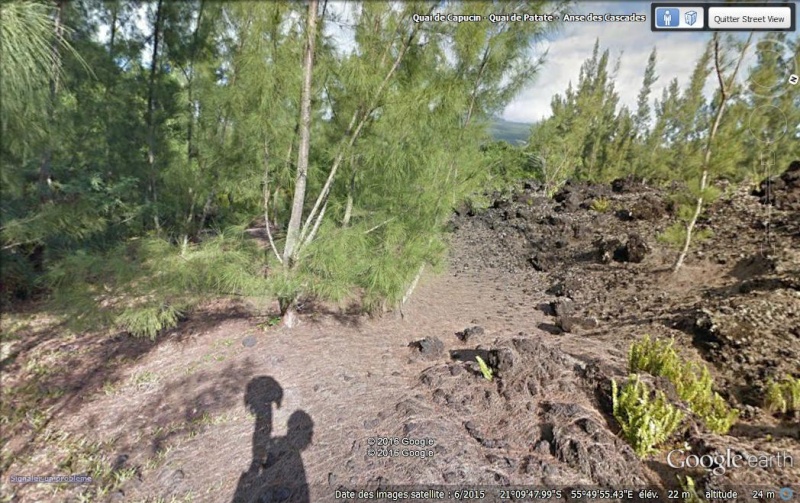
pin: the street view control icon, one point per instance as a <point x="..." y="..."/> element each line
<point x="667" y="17"/>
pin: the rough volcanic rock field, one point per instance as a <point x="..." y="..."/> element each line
<point x="738" y="298"/>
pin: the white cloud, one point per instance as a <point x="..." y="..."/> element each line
<point x="339" y="24"/>
<point x="677" y="54"/>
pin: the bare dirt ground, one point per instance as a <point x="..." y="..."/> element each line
<point x="551" y="294"/>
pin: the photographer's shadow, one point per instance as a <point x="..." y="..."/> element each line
<point x="276" y="472"/>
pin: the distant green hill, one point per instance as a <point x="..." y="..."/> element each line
<point x="512" y="132"/>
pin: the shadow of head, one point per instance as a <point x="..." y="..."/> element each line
<point x="300" y="430"/>
<point x="261" y="392"/>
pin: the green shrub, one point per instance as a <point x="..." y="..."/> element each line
<point x="675" y="235"/>
<point x="149" y="321"/>
<point x="655" y="356"/>
<point x="692" y="382"/>
<point x="709" y="406"/>
<point x="147" y="285"/>
<point x="646" y="422"/>
<point x="478" y="203"/>
<point x="601" y="205"/>
<point x="783" y="396"/>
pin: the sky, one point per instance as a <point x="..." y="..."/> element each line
<point x="677" y="53"/>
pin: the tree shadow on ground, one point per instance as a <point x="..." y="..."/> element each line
<point x="276" y="470"/>
<point x="469" y="355"/>
<point x="204" y="320"/>
<point x="164" y="418"/>
<point x="546" y="308"/>
<point x="84" y="365"/>
<point x="76" y="369"/>
<point x="755" y="284"/>
<point x="189" y="404"/>
<point x="31" y="339"/>
<point x="352" y="316"/>
<point x="678" y="319"/>
<point x="550" y="328"/>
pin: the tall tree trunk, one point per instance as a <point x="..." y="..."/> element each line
<point x="358" y="122"/>
<point x="113" y="29"/>
<point x="478" y="81"/>
<point x="110" y="110"/>
<point x="151" y="122"/>
<point x="208" y="206"/>
<point x="724" y="95"/>
<point x="266" y="196"/>
<point x="190" y="85"/>
<point x="296" y="218"/>
<point x="55" y="72"/>
<point x="470" y="110"/>
<point x="192" y="226"/>
<point x="293" y="230"/>
<point x="351" y="189"/>
<point x="297" y="238"/>
<point x="276" y="223"/>
<point x="278" y="189"/>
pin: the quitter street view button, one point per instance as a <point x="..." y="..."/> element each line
<point x="750" y="18"/>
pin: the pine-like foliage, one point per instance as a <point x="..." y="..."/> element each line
<point x="587" y="129"/>
<point x="183" y="118"/>
<point x="31" y="55"/>
<point x="379" y="195"/>
<point x="762" y="131"/>
<point x="116" y="207"/>
<point x="146" y="285"/>
<point x="666" y="142"/>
